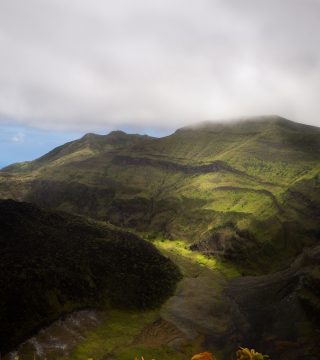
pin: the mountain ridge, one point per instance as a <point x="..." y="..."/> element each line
<point x="218" y="178"/>
<point x="120" y="138"/>
<point x="92" y="143"/>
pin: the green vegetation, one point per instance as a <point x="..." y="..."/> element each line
<point x="53" y="263"/>
<point x="117" y="335"/>
<point x="181" y="254"/>
<point x="258" y="175"/>
<point x="240" y="197"/>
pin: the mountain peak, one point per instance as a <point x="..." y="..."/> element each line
<point x="247" y="124"/>
<point x="118" y="133"/>
<point x="90" y="136"/>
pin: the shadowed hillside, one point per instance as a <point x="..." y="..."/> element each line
<point x="53" y="263"/>
<point x="280" y="312"/>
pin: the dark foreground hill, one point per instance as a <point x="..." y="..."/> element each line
<point x="53" y="263"/>
<point x="246" y="191"/>
<point x="280" y="312"/>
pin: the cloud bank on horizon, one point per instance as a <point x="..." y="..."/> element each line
<point x="81" y="65"/>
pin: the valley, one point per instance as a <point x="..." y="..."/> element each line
<point x="173" y="331"/>
<point x="213" y="308"/>
<point x="233" y="210"/>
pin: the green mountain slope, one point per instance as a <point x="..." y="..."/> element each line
<point x="86" y="147"/>
<point x="53" y="263"/>
<point x="247" y="191"/>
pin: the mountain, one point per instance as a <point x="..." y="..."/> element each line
<point x="247" y="191"/>
<point x="53" y="263"/>
<point x="86" y="147"/>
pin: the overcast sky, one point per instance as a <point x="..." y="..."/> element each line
<point x="87" y="65"/>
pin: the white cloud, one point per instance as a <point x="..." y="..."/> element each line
<point x="87" y="64"/>
<point x="18" y="138"/>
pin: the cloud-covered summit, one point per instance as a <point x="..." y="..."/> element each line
<point x="90" y="64"/>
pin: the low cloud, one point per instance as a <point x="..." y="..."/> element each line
<point x="90" y="64"/>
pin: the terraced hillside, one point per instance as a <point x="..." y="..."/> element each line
<point x="248" y="191"/>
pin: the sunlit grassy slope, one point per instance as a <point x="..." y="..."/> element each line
<point x="243" y="190"/>
<point x="187" y="259"/>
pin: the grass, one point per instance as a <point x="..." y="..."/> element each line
<point x="115" y="337"/>
<point x="265" y="158"/>
<point x="159" y="353"/>
<point x="115" y="334"/>
<point x="179" y="252"/>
